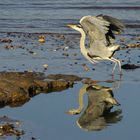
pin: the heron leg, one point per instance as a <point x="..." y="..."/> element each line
<point x="114" y="65"/>
<point x="91" y="60"/>
<point x="119" y="63"/>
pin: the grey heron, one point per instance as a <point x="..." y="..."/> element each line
<point x="101" y="32"/>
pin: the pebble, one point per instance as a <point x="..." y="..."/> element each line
<point x="5" y="40"/>
<point x="133" y="45"/>
<point x="41" y="39"/>
<point x="45" y="66"/>
<point x="85" y="67"/>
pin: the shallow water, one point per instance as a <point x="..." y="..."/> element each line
<point x="52" y="16"/>
<point x="44" y="117"/>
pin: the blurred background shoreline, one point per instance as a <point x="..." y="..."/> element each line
<point x="52" y="16"/>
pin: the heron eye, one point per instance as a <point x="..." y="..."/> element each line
<point x="79" y="26"/>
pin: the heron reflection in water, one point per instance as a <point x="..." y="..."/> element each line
<point x="101" y="32"/>
<point x="97" y="114"/>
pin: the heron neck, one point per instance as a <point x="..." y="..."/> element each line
<point x="82" y="42"/>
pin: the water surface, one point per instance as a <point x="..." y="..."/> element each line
<point x="44" y="116"/>
<point x="52" y="16"/>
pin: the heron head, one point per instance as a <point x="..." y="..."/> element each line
<point x="77" y="27"/>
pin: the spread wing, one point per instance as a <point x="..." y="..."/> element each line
<point x="101" y="28"/>
<point x="116" y="27"/>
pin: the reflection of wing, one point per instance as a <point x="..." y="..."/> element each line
<point x="97" y="115"/>
<point x="101" y="28"/>
<point x="101" y="94"/>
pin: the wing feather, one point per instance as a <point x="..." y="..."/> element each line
<point x="101" y="28"/>
<point x="116" y="27"/>
<point x="95" y="28"/>
<point x="115" y="24"/>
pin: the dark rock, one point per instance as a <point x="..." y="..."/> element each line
<point x="13" y="47"/>
<point x="130" y="66"/>
<point x="16" y="88"/>
<point x="133" y="45"/>
<point x="8" y="127"/>
<point x="65" y="54"/>
<point x="71" y="78"/>
<point x="5" y="40"/>
<point x="89" y="81"/>
<point x="9" y="47"/>
<point x="32" y="52"/>
<point x="75" y="54"/>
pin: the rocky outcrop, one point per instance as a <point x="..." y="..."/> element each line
<point x="10" y="127"/>
<point x="130" y="66"/>
<point x="16" y="88"/>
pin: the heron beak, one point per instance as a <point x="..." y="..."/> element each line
<point x="70" y="25"/>
<point x="96" y="87"/>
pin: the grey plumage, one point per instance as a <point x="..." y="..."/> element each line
<point x="101" y="32"/>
